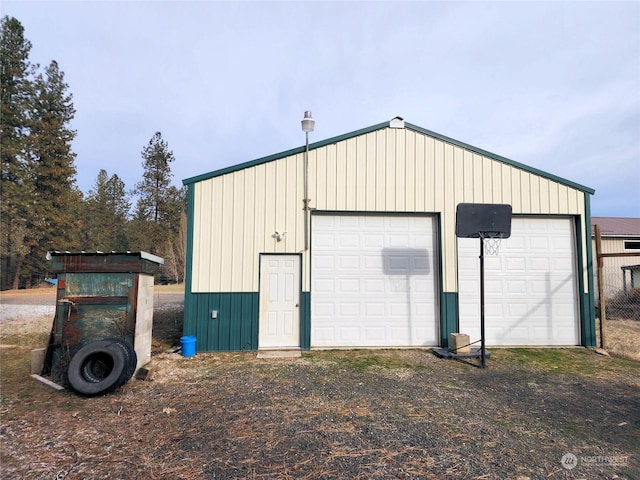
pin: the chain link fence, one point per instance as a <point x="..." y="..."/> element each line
<point x="621" y="279"/>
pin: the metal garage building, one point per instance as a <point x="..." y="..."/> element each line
<point x="383" y="267"/>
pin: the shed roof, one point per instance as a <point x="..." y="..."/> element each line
<point x="617" y="226"/>
<point x="393" y="123"/>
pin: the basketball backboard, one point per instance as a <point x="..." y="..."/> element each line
<point x="488" y="220"/>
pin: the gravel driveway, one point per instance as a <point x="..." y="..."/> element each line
<point x="370" y="414"/>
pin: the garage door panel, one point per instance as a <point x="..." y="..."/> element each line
<point x="325" y="262"/>
<point x="324" y="240"/>
<point x="373" y="240"/>
<point x="374" y="334"/>
<point x="325" y="285"/>
<point x="373" y="262"/>
<point x="421" y="286"/>
<point x="516" y="264"/>
<point x="535" y="283"/>
<point x="325" y="310"/>
<point x="350" y="309"/>
<point x="493" y="286"/>
<point x="394" y="284"/>
<point x="538" y="244"/>
<point x="372" y="286"/>
<point x="374" y="310"/>
<point x="349" y="285"/>
<point x="350" y="263"/>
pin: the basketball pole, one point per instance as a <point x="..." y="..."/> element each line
<point x="482" y="353"/>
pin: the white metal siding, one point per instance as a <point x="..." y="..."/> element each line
<point x="374" y="281"/>
<point x="388" y="170"/>
<point x="614" y="278"/>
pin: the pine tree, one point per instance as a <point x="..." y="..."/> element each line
<point x="16" y="95"/>
<point x="107" y="208"/>
<point x="55" y="220"/>
<point x="157" y="216"/>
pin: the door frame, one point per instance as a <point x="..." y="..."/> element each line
<point x="261" y="298"/>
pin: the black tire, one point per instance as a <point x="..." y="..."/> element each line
<point x="98" y="368"/>
<point x="132" y="359"/>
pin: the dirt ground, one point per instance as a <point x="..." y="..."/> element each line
<point x="368" y="414"/>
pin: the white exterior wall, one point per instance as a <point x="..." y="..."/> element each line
<point x="388" y="170"/>
<point x="612" y="272"/>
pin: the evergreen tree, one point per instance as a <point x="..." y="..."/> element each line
<point x="107" y="208"/>
<point x="55" y="220"/>
<point x="15" y="186"/>
<point x="156" y="218"/>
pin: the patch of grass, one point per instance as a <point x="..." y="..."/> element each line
<point x="44" y="290"/>
<point x="623" y="338"/>
<point x="567" y="361"/>
<point x="173" y="288"/>
<point x="33" y="340"/>
<point x="362" y="360"/>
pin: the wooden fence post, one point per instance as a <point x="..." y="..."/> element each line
<point x="601" y="292"/>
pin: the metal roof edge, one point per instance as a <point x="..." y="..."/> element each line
<point x="380" y="126"/>
<point x="286" y="153"/>
<point x="140" y="253"/>
<point x="499" y="158"/>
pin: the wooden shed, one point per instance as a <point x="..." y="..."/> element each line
<point x="375" y="262"/>
<point x="100" y="296"/>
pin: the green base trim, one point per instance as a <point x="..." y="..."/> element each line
<point x="236" y="325"/>
<point x="305" y="320"/>
<point x="448" y="316"/>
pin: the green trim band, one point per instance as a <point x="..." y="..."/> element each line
<point x="448" y="316"/>
<point x="237" y="322"/>
<point x="587" y="298"/>
<point x="499" y="158"/>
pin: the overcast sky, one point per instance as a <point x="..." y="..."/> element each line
<point x="554" y="85"/>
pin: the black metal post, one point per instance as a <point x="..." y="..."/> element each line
<point x="482" y="355"/>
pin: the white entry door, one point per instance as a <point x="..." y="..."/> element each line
<point x="279" y="325"/>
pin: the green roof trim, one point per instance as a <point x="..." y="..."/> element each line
<point x="288" y="153"/>
<point x="499" y="158"/>
<point x="380" y="126"/>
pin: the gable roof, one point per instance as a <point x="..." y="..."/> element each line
<point x="617" y="226"/>
<point x="393" y="123"/>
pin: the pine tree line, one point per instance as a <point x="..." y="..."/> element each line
<point x="41" y="207"/>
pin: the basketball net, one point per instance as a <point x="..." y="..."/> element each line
<point x="491" y="242"/>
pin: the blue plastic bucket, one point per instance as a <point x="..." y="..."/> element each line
<point x="188" y="346"/>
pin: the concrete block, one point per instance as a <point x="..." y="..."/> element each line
<point x="459" y="343"/>
<point x="37" y="360"/>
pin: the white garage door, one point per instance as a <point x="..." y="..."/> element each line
<point x="373" y="281"/>
<point x="530" y="286"/>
